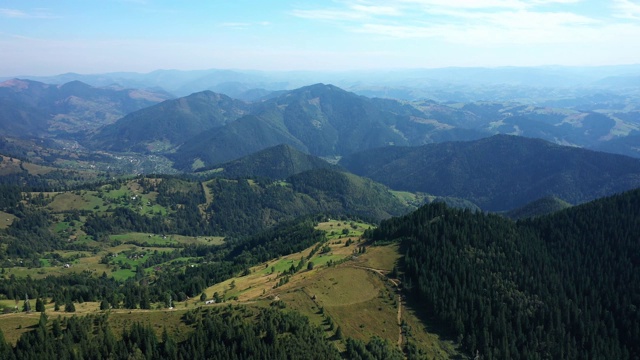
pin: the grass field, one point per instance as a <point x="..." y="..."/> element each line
<point x="75" y="201"/>
<point x="129" y="194"/>
<point x="166" y="240"/>
<point x="412" y="199"/>
<point x="336" y="229"/>
<point x="14" y="325"/>
<point x="380" y="257"/>
<point x="6" y="219"/>
<point x="9" y="165"/>
<point x="34" y="169"/>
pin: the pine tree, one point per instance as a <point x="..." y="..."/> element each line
<point x="6" y="352"/>
<point x="40" y="305"/>
<point x="70" y="307"/>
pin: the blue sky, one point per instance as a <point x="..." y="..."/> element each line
<point x="94" y="36"/>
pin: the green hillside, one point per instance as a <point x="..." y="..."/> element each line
<point x="322" y="120"/>
<point x="267" y="307"/>
<point x="278" y="162"/>
<point x="241" y="206"/>
<point x="240" y="138"/>
<point x="559" y="286"/>
<point x="164" y="126"/>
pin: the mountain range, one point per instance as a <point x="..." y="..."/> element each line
<point x="441" y="149"/>
<point x="326" y="121"/>
<point x="31" y="108"/>
<point x="318" y="119"/>
<point x="499" y="173"/>
<point x="468" y="83"/>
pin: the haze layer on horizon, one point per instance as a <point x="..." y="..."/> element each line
<point x="145" y="35"/>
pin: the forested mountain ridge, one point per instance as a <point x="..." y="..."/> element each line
<point x="499" y="173"/>
<point x="220" y="207"/>
<point x="561" y="286"/>
<point x="324" y="120"/>
<point x="321" y="120"/>
<point x="277" y="162"/>
<point x="166" y="125"/>
<point x="243" y="205"/>
<point x="245" y="136"/>
<point x="205" y="128"/>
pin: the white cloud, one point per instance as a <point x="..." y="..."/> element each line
<point x="19" y="14"/>
<point x="486" y="4"/>
<point x="545" y="2"/>
<point x="13" y="13"/>
<point x="329" y="14"/>
<point x="351" y="11"/>
<point x="627" y="9"/>
<point x="468" y="4"/>
<point x="477" y="22"/>
<point x="242" y="25"/>
<point x="376" y="10"/>
<point x="235" y="25"/>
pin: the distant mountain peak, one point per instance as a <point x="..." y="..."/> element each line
<point x="75" y="86"/>
<point x="276" y="162"/>
<point x="208" y="95"/>
<point x="320" y="88"/>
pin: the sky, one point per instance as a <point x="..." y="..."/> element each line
<point x="48" y="37"/>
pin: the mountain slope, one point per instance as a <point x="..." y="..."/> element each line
<point x="628" y="145"/>
<point x="242" y="206"/>
<point x="326" y="121"/>
<point x="22" y="120"/>
<point x="242" y="137"/>
<point x="170" y="123"/>
<point x="499" y="173"/>
<point x="560" y="286"/>
<point x="34" y="108"/>
<point x="278" y="162"/>
<point x="353" y="193"/>
<point x="322" y="120"/>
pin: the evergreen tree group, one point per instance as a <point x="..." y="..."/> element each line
<point x="562" y="286"/>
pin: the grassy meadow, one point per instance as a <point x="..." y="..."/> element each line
<point x="343" y="288"/>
